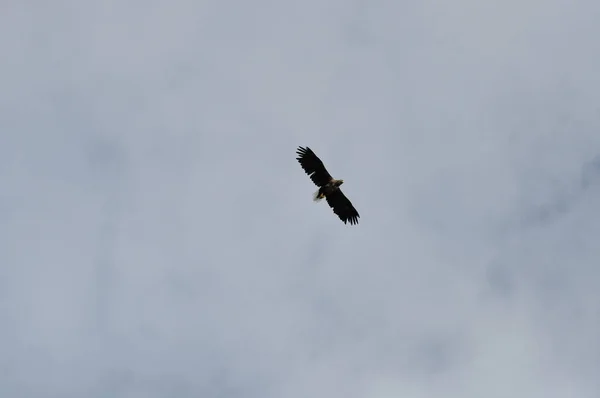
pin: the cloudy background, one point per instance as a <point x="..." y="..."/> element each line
<point x="158" y="238"/>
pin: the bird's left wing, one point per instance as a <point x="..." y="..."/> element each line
<point x="342" y="206"/>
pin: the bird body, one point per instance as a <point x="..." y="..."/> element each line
<point x="327" y="189"/>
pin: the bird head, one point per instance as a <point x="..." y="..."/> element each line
<point x="339" y="182"/>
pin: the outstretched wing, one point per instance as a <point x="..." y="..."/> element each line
<point x="342" y="207"/>
<point x="313" y="166"/>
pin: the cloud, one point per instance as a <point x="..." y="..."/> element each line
<point x="158" y="237"/>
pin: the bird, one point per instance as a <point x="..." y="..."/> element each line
<point x="329" y="187"/>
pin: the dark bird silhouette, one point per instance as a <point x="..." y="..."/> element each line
<point x="329" y="187"/>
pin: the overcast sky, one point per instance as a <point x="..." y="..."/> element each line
<point x="159" y="239"/>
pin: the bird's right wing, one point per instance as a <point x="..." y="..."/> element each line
<point x="313" y="166"/>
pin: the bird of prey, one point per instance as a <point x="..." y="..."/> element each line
<point x="329" y="188"/>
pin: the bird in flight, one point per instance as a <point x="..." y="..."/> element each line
<point x="329" y="187"/>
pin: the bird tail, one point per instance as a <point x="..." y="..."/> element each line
<point x="318" y="195"/>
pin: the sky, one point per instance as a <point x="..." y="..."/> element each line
<point x="159" y="239"/>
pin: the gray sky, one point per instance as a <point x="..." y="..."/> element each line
<point x="158" y="237"/>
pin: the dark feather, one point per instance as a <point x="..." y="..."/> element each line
<point x="342" y="206"/>
<point x="313" y="166"/>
